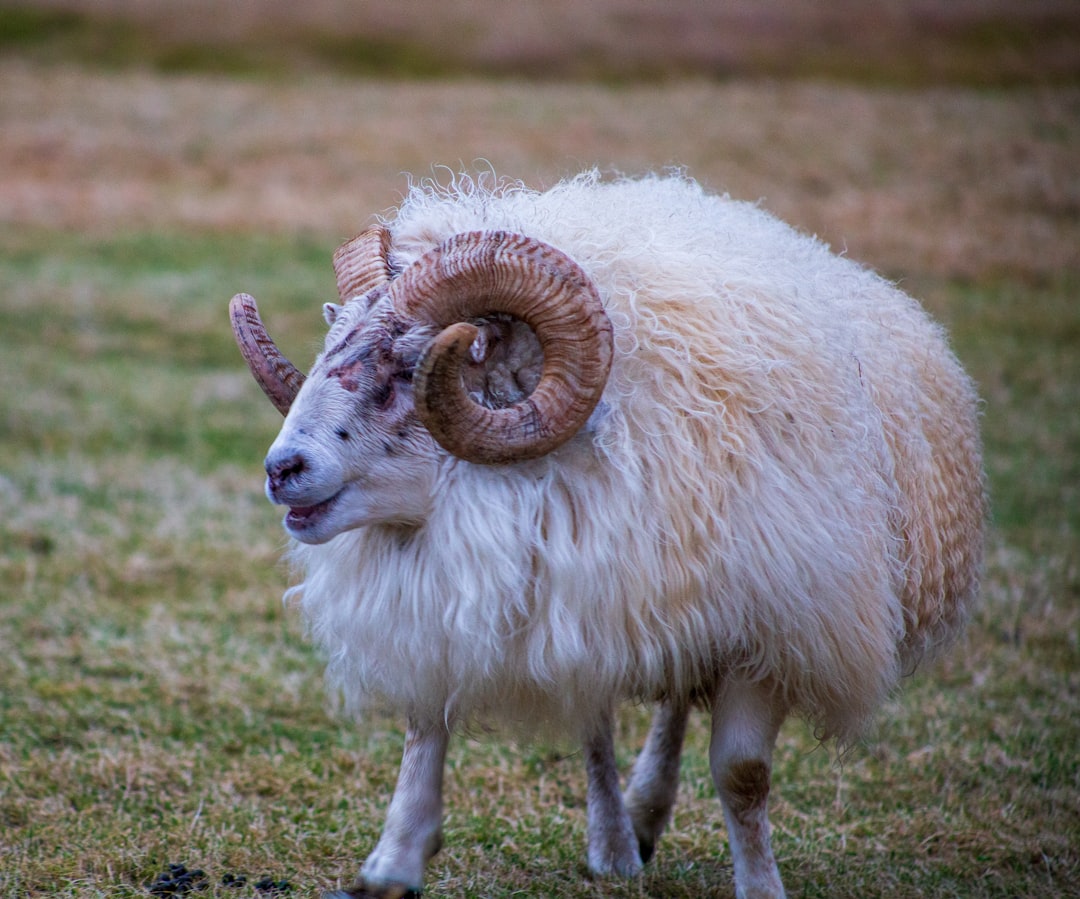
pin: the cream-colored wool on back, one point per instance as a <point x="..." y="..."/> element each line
<point x="782" y="478"/>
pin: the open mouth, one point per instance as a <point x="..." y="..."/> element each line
<point x="301" y="517"/>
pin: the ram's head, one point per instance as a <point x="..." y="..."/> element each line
<point x="492" y="348"/>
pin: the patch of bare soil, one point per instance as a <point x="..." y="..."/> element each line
<point x="950" y="181"/>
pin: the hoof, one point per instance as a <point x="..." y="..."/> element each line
<point x="362" y="891"/>
<point x="646" y="849"/>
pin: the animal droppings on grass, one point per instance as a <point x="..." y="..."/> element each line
<point x="273" y="887"/>
<point x="178" y="880"/>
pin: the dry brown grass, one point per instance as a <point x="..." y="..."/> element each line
<point x="952" y="181"/>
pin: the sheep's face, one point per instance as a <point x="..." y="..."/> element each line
<point x="352" y="451"/>
<point x="492" y="348"/>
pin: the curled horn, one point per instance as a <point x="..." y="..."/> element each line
<point x="360" y="264"/>
<point x="489" y="272"/>
<point x="276" y="375"/>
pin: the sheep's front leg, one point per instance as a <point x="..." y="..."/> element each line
<point x="746" y="718"/>
<point x="613" y="846"/>
<point x="412" y="833"/>
<point x="655" y="778"/>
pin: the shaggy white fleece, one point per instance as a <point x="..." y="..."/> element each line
<point x="783" y="479"/>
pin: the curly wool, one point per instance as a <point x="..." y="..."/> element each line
<point x="783" y="480"/>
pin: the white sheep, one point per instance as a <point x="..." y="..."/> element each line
<point x="619" y="441"/>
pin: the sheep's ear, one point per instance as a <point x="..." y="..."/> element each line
<point x="480" y="347"/>
<point x="330" y="312"/>
<point x="490" y="336"/>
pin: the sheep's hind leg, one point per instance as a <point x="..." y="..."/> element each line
<point x="746" y="718"/>
<point x="613" y="846"/>
<point x="655" y="778"/>
<point x="412" y="833"/>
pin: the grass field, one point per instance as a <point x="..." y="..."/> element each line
<point x="158" y="704"/>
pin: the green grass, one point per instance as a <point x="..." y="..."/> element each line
<point x="138" y="355"/>
<point x="158" y="704"/>
<point x="1023" y="341"/>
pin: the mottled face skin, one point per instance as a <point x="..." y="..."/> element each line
<point x="351" y="451"/>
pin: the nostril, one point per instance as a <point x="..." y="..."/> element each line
<point x="281" y="470"/>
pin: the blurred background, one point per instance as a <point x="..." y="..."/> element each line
<point x="991" y="42"/>
<point x="159" y="705"/>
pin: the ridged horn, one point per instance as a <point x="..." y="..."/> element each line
<point x="279" y="379"/>
<point x="360" y="264"/>
<point x="489" y="272"/>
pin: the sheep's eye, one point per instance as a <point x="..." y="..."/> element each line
<point x="342" y="433"/>
<point x="383" y="394"/>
